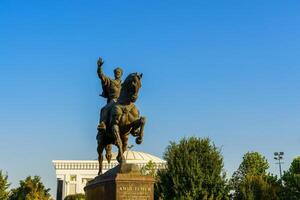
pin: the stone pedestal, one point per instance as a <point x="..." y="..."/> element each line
<point x="124" y="182"/>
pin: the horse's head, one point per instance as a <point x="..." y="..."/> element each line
<point x="131" y="87"/>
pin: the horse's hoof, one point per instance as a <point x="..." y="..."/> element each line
<point x="138" y="140"/>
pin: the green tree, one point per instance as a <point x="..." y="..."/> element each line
<point x="194" y="171"/>
<point x="149" y="169"/>
<point x="251" y="181"/>
<point x="75" y="197"/>
<point x="4" y="193"/>
<point x="258" y="187"/>
<point x="291" y="179"/>
<point x="253" y="163"/>
<point x="30" y="189"/>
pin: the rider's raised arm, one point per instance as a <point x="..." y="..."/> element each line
<point x="100" y="73"/>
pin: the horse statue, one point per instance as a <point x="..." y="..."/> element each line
<point x="122" y="119"/>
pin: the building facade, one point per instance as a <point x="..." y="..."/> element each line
<point x="72" y="175"/>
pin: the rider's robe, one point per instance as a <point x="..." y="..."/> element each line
<point x="111" y="88"/>
<point x="111" y="91"/>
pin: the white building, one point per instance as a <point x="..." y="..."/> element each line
<point x="72" y="175"/>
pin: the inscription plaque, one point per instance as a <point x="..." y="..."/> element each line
<point x="135" y="191"/>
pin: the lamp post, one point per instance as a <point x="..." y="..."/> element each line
<point x="279" y="156"/>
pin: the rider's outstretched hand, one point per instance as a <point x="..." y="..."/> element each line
<point x="100" y="62"/>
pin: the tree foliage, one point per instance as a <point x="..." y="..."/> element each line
<point x="149" y="169"/>
<point x="253" y="163"/>
<point x="30" y="189"/>
<point x="251" y="181"/>
<point x="291" y="179"/>
<point x="194" y="171"/>
<point x="258" y="187"/>
<point x="75" y="197"/>
<point x="4" y="185"/>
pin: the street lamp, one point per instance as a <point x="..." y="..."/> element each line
<point x="279" y="156"/>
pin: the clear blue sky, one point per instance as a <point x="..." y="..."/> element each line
<point x="228" y="70"/>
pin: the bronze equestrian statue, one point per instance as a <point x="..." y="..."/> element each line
<point x="119" y="117"/>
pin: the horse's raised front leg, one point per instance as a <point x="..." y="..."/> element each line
<point x="116" y="134"/>
<point x="138" y="129"/>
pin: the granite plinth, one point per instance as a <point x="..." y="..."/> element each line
<point x="124" y="182"/>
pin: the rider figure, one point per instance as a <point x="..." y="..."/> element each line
<point x="111" y="91"/>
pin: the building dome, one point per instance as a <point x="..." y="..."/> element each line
<point x="138" y="157"/>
